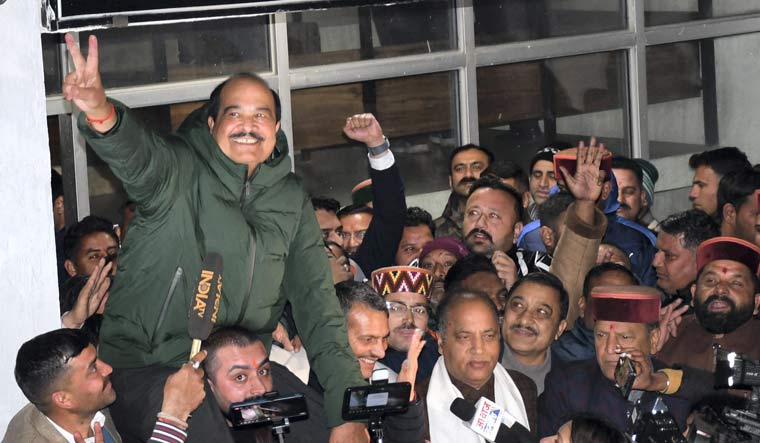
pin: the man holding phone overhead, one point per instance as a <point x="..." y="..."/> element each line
<point x="222" y="183"/>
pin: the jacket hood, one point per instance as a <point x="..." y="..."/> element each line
<point x="233" y="175"/>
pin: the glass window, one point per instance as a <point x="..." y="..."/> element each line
<point x="703" y="93"/>
<point x="349" y="34"/>
<point x="418" y="115"/>
<point x="184" y="51"/>
<point x="659" y="12"/>
<point x="505" y="21"/>
<point x="524" y="106"/>
<point x="51" y="63"/>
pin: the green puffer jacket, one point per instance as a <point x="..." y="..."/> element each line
<point x="191" y="200"/>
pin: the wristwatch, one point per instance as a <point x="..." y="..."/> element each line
<point x="380" y="149"/>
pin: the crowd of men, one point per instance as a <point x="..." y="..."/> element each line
<point x="531" y="289"/>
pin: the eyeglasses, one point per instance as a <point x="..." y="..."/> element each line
<point x="358" y="235"/>
<point x="401" y="309"/>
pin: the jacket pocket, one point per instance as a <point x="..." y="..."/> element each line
<point x="165" y="306"/>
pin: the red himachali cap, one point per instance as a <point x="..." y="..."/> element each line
<point x="450" y="244"/>
<point x="628" y="304"/>
<point x="401" y="279"/>
<point x="728" y="248"/>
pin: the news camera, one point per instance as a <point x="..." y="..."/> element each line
<point x="376" y="401"/>
<point x="732" y="424"/>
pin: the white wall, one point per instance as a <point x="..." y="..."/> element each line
<point x="27" y="246"/>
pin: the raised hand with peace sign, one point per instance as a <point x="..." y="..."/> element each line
<point x="84" y="88"/>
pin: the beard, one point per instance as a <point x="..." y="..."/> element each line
<point x="721" y="322"/>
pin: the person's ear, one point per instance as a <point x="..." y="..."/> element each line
<point x="518" y="230"/>
<point x="61" y="400"/>
<point x="693" y="294"/>
<point x="561" y="329"/>
<point x="450" y="183"/>
<point x="526" y="199"/>
<point x="757" y="304"/>
<point x="606" y="189"/>
<point x="582" y="306"/>
<point x="644" y="200"/>
<point x="440" y="344"/>
<point x="729" y="214"/>
<point x="277" y="127"/>
<point x="654" y="339"/>
<point x="210" y="122"/>
<point x="70" y="267"/>
<point x="547" y="237"/>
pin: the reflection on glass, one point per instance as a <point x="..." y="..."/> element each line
<point x="51" y="63"/>
<point x="657" y="12"/>
<point x="418" y="114"/>
<point x="369" y="32"/>
<point x="524" y="106"/>
<point x="183" y="51"/>
<point x="505" y="21"/>
<point x="703" y="94"/>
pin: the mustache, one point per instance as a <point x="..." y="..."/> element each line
<point x="247" y="135"/>
<point x="467" y="180"/>
<point x="529" y="328"/>
<point x="480" y="231"/>
<point x="405" y="327"/>
<point x="624" y="206"/>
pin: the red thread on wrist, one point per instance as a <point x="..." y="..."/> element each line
<point x="101" y="120"/>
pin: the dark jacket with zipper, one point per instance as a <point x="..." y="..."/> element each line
<point x="192" y="199"/>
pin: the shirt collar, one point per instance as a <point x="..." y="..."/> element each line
<point x="98" y="418"/>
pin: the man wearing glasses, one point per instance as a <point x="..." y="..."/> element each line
<point x="406" y="291"/>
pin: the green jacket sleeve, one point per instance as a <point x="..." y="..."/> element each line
<point x="146" y="163"/>
<point x="319" y="319"/>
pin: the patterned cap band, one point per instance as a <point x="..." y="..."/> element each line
<point x="402" y="279"/>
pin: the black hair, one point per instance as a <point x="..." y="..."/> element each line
<point x="88" y="225"/>
<point x="722" y="160"/>
<point x="42" y="362"/>
<point x="236" y="336"/>
<point x="326" y="204"/>
<point x="590" y="428"/>
<point x="629" y="164"/>
<point x="547" y="153"/>
<point x="351" y="293"/>
<point x="695" y="225"/>
<point x="465" y="267"/>
<point x="456" y="297"/>
<point x="215" y="99"/>
<point x="56" y="184"/>
<point x="601" y="269"/>
<point x="736" y="188"/>
<point x="354" y="209"/>
<point x="467" y="147"/>
<point x="506" y="170"/>
<point x="416" y="216"/>
<point x="549" y="280"/>
<point x="550" y="210"/>
<point x="494" y="183"/>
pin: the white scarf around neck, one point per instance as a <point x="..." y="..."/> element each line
<point x="447" y="427"/>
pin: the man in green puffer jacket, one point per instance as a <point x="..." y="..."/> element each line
<point x="221" y="184"/>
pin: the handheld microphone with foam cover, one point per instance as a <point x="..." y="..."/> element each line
<point x="491" y="421"/>
<point x="205" y="305"/>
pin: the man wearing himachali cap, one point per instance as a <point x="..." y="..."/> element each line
<point x="406" y="291"/>
<point x="726" y="300"/>
<point x="627" y="320"/>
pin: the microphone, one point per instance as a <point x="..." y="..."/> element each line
<point x="491" y="421"/>
<point x="205" y="307"/>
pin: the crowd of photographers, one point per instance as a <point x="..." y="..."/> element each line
<point x="546" y="303"/>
